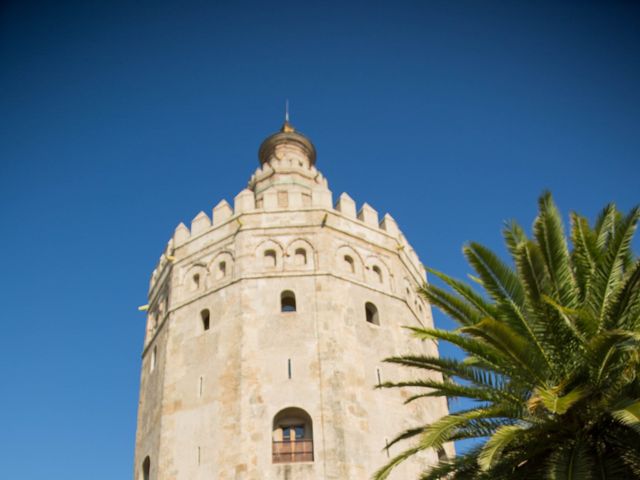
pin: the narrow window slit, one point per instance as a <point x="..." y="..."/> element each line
<point x="378" y="273"/>
<point x="146" y="469"/>
<point x="349" y="263"/>
<point x="371" y="313"/>
<point x="270" y="259"/>
<point x="300" y="257"/>
<point x="206" y="319"/>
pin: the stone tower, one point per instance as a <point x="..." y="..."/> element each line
<point x="266" y="329"/>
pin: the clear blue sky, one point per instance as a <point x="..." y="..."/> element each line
<point x="118" y="120"/>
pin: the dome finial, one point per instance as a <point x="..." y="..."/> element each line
<point x="286" y="126"/>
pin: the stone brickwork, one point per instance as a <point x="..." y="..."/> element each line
<point x="221" y="359"/>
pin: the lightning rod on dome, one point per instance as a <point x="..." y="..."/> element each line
<point x="286" y="110"/>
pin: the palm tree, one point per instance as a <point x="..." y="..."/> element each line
<point x="553" y="356"/>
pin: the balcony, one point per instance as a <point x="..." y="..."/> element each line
<point x="293" y="451"/>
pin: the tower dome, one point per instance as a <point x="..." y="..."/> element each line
<point x="289" y="138"/>
<point x="267" y="325"/>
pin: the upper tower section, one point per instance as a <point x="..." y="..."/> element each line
<point x="287" y="164"/>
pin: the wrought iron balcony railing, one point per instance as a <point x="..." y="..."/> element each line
<point x="290" y="451"/>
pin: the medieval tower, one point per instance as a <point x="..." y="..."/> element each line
<point x="266" y="330"/>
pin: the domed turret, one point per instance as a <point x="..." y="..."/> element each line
<point x="292" y="140"/>
<point x="287" y="167"/>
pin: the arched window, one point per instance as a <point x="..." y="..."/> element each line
<point x="300" y="257"/>
<point x="204" y="315"/>
<point x="378" y="273"/>
<point x="222" y="270"/>
<point x="270" y="258"/>
<point x="371" y="313"/>
<point x="287" y="301"/>
<point x="349" y="264"/>
<point x="146" y="469"/>
<point x="292" y="436"/>
<point x="195" y="282"/>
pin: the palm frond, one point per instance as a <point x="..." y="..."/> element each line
<point x="498" y="279"/>
<point x="455" y="307"/>
<point x="629" y="415"/>
<point x="510" y="344"/>
<point x="410" y="433"/>
<point x="385" y="471"/>
<point x="496" y="444"/>
<point x="607" y="276"/>
<point x="549" y="233"/>
<point x="585" y="253"/>
<point x="571" y="462"/>
<point x="440" y="431"/>
<point x="514" y="236"/>
<point x="478" y="349"/>
<point x="466" y="292"/>
<point x="452" y="368"/>
<point x="450" y="389"/>
<point x="627" y="300"/>
<point x="462" y="467"/>
<point x="605" y="226"/>
<point x="554" y="402"/>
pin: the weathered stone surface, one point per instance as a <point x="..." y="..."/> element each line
<point x="208" y="403"/>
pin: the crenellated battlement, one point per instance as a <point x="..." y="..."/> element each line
<point x="287" y="166"/>
<point x="278" y="201"/>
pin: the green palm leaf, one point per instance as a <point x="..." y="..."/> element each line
<point x="607" y="276"/>
<point x="549" y="233"/>
<point x="496" y="444"/>
<point x="629" y="415"/>
<point x="466" y="292"/>
<point x="571" y="462"/>
<point x="555" y="403"/>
